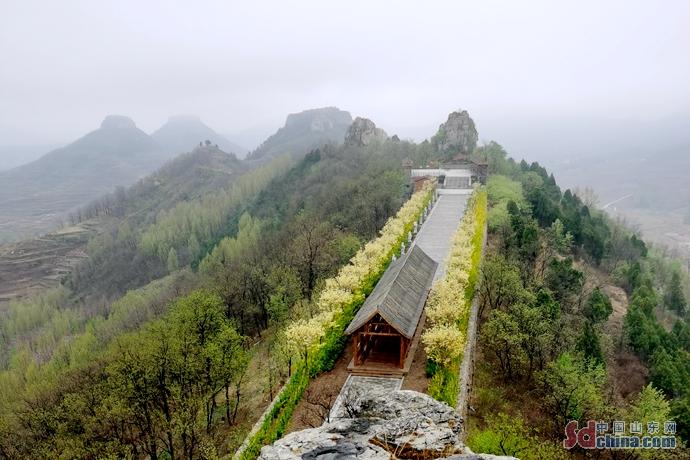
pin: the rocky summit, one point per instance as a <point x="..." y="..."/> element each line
<point x="457" y="135"/>
<point x="364" y="132"/>
<point x="401" y="424"/>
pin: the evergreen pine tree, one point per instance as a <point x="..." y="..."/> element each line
<point x="589" y="345"/>
<point x="675" y="298"/>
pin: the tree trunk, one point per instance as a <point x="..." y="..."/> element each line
<point x="227" y="403"/>
<point x="237" y="401"/>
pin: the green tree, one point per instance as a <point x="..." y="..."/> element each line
<point x="502" y="336"/>
<point x="506" y="435"/>
<point x="588" y="344"/>
<point x="675" y="298"/>
<point x="644" y="333"/>
<point x="500" y="284"/>
<point x="193" y="247"/>
<point x="598" y="307"/>
<point x="680" y="413"/>
<point x="681" y="333"/>
<point x="649" y="405"/>
<point x="172" y="262"/>
<point x="564" y="280"/>
<point x="230" y="358"/>
<point x="572" y="390"/>
<point x="537" y="334"/>
<point x="670" y="371"/>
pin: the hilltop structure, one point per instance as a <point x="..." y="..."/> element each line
<point x="385" y="326"/>
<point x="459" y="173"/>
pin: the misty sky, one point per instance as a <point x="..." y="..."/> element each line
<point x="66" y="64"/>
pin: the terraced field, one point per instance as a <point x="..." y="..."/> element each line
<point x="35" y="264"/>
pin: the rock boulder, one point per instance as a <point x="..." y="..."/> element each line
<point x="457" y="135"/>
<point x="380" y="426"/>
<point x="363" y="132"/>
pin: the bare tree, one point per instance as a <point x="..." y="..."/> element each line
<point x="318" y="406"/>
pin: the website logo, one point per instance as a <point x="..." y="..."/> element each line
<point x="596" y="435"/>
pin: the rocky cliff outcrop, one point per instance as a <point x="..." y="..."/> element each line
<point x="363" y="132"/>
<point x="380" y="426"/>
<point x="457" y="135"/>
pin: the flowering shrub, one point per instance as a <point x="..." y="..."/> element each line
<point x="443" y="343"/>
<point x="301" y="335"/>
<point x="449" y="302"/>
<point x="320" y="340"/>
<point x="369" y="261"/>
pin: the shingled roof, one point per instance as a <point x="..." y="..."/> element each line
<point x="400" y="294"/>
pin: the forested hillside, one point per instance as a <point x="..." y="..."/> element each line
<point x="212" y="282"/>
<point x="34" y="197"/>
<point x="43" y="262"/>
<point x="220" y="273"/>
<point x="37" y="197"/>
<point x="580" y="320"/>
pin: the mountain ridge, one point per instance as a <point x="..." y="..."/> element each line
<point x="181" y="133"/>
<point x="36" y="196"/>
<point x="304" y="131"/>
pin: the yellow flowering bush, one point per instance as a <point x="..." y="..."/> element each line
<point x="303" y="335"/>
<point x="443" y="343"/>
<point x="450" y="299"/>
<point x="345" y="286"/>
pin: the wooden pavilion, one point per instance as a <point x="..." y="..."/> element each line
<point x="385" y="325"/>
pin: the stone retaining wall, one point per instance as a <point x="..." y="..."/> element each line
<point x="467" y="365"/>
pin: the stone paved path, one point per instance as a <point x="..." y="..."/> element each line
<point x="436" y="235"/>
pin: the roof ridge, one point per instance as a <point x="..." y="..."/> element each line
<point x="411" y="276"/>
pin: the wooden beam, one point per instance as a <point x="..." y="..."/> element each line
<point x="355" y="343"/>
<point x="384" y="334"/>
<point x="401" y="359"/>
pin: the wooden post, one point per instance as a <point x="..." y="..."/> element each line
<point x="402" y="353"/>
<point x="355" y="342"/>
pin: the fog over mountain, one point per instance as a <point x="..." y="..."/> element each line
<point x="231" y="229"/>
<point x="244" y="65"/>
<point x="183" y="132"/>
<point x="550" y="81"/>
<point x="42" y="195"/>
<point x="303" y="131"/>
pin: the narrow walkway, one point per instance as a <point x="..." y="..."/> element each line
<point x="436" y="235"/>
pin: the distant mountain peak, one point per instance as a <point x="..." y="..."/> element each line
<point x="318" y="120"/>
<point x="117" y="122"/>
<point x="304" y="131"/>
<point x="181" y="133"/>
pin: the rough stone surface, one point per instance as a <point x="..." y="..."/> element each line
<point x="363" y="132"/>
<point x="386" y="425"/>
<point x="457" y="135"/>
